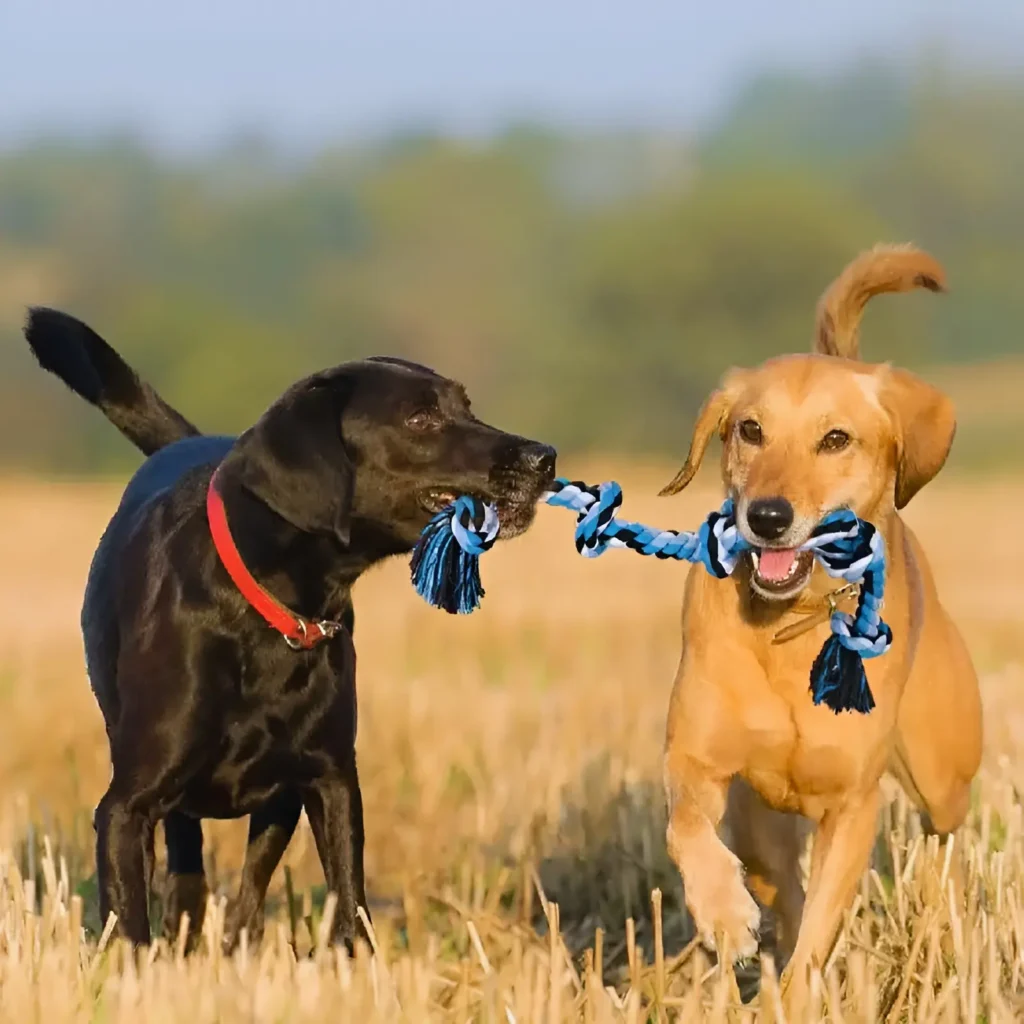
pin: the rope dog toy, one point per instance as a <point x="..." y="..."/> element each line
<point x="445" y="569"/>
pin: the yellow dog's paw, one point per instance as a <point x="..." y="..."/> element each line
<point x="722" y="906"/>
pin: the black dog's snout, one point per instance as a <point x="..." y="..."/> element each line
<point x="539" y="459"/>
<point x="770" y="518"/>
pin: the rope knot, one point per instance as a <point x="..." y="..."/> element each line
<point x="446" y="560"/>
<point x="596" y="509"/>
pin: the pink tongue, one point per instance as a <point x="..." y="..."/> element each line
<point x="775" y="563"/>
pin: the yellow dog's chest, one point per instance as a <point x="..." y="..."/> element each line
<point x="804" y="758"/>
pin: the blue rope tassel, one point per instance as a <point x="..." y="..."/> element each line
<point x="445" y="569"/>
<point x="446" y="560"/>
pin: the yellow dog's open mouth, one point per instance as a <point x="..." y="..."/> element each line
<point x="780" y="572"/>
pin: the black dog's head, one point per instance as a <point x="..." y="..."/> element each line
<point x="373" y="449"/>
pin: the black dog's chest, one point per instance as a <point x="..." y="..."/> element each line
<point x="284" y="735"/>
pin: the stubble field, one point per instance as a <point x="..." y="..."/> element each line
<point x="510" y="765"/>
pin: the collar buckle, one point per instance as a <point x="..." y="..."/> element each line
<point x="815" y="618"/>
<point x="834" y="597"/>
<point x="311" y="633"/>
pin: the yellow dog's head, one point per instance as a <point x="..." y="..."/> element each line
<point x="806" y="434"/>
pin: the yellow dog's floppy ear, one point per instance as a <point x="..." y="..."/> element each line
<point x="710" y="420"/>
<point x="924" y="422"/>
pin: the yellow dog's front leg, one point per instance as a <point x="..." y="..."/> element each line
<point x="841" y="853"/>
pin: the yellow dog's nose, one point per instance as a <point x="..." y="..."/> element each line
<point x="769" y="518"/>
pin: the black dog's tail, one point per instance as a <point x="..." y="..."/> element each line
<point x="71" y="350"/>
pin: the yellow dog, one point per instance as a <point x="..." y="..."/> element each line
<point x="804" y="435"/>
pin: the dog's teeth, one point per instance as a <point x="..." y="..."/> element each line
<point x="755" y="559"/>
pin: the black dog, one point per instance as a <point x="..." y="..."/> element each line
<point x="209" y="711"/>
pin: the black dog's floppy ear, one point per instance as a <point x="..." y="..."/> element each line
<point x="294" y="460"/>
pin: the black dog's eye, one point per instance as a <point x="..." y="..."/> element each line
<point x="423" y="420"/>
<point x="750" y="431"/>
<point x="834" y="441"/>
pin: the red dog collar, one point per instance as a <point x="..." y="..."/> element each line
<point x="299" y="633"/>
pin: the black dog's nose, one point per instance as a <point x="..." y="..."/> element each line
<point x="539" y="458"/>
<point x="770" y="518"/>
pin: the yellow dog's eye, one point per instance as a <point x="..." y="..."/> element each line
<point x="834" y="441"/>
<point x="750" y="431"/>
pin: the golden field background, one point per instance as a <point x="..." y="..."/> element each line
<point x="507" y="759"/>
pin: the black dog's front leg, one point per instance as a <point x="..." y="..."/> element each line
<point x="121" y="837"/>
<point x="334" y="807"/>
<point x="270" y="830"/>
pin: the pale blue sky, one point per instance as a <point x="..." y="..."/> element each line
<point x="310" y="69"/>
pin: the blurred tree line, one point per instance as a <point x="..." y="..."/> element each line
<point x="589" y="290"/>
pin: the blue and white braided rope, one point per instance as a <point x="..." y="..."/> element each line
<point x="717" y="544"/>
<point x="852" y="549"/>
<point x="847" y="548"/>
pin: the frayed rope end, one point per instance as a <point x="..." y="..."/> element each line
<point x="445" y="565"/>
<point x="838" y="679"/>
